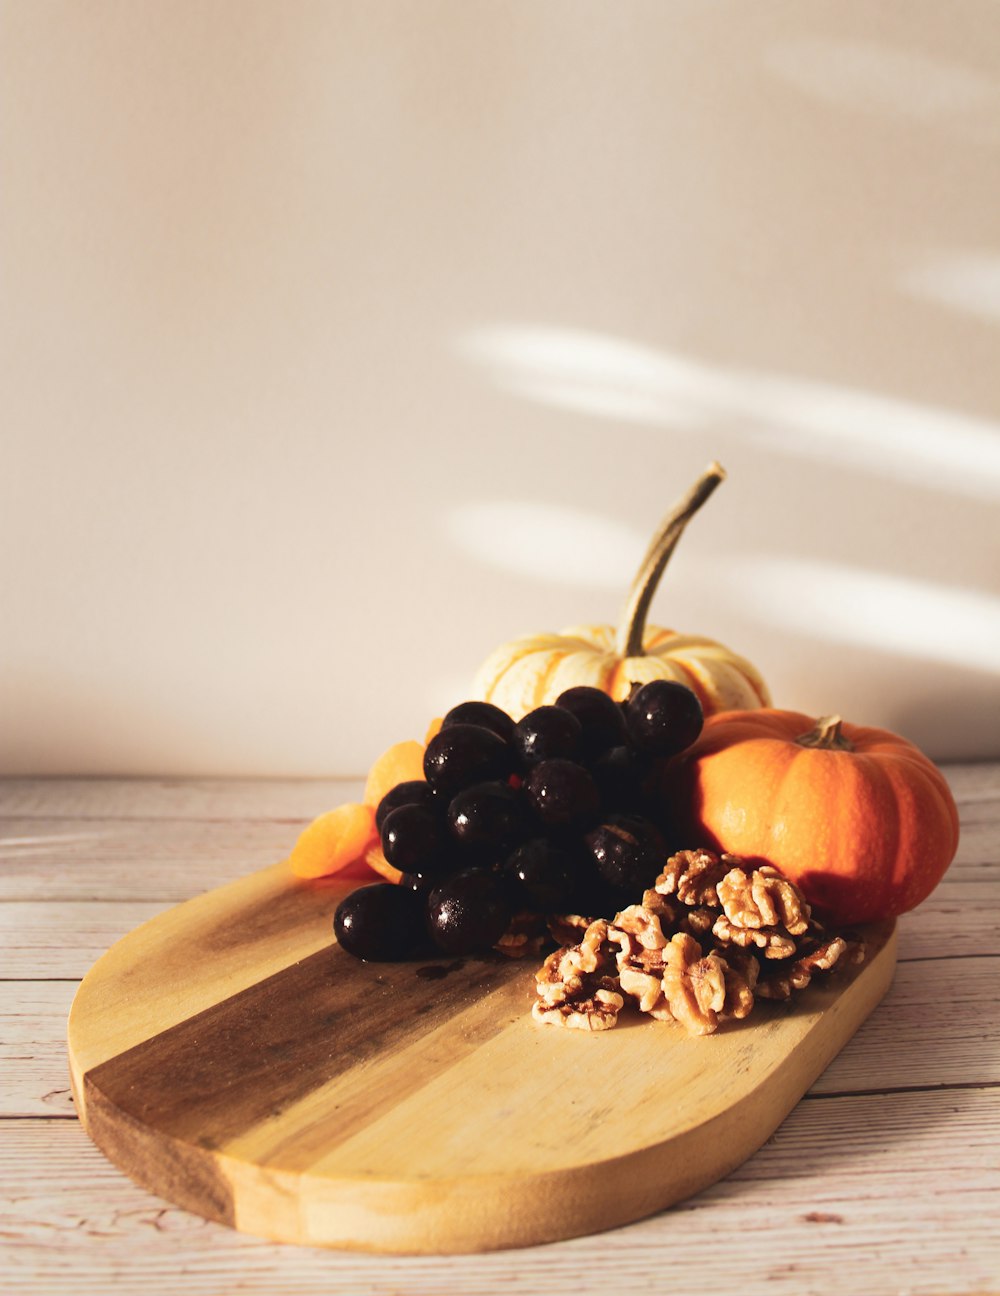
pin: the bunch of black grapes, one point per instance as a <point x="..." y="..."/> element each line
<point x="562" y="812"/>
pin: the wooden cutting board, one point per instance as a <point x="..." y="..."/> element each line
<point x="227" y="1056"/>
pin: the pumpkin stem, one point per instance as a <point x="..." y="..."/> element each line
<point x="632" y="626"/>
<point x="826" y="735"/>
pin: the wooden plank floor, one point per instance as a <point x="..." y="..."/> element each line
<point x="885" y="1178"/>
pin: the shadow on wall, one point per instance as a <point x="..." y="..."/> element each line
<point x="944" y="719"/>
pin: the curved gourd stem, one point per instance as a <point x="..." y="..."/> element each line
<point x="826" y="736"/>
<point x="633" y="623"/>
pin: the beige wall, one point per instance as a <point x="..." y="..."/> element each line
<point x="343" y="341"/>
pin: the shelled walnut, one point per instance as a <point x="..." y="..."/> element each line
<point x="693" y="876"/>
<point x="828" y="952"/>
<point x="696" y="986"/>
<point x="709" y="937"/>
<point x="638" y="933"/>
<point x="772" y="942"/>
<point x="763" y="898"/>
<point x="577" y="985"/>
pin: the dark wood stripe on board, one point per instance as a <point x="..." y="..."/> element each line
<point x="223" y="1071"/>
<point x="183" y="1174"/>
<point x="285" y="908"/>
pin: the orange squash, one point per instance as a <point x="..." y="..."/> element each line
<point x="859" y="818"/>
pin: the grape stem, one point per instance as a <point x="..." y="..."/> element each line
<point x="632" y="626"/>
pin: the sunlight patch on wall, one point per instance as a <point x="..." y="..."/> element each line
<point x="547" y="542"/>
<point x="868" y="77"/>
<point x="849" y="605"/>
<point x="606" y="377"/>
<point x="968" y="282"/>
<point x="592" y="373"/>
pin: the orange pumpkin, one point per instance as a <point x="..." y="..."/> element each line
<point x="859" y="818"/>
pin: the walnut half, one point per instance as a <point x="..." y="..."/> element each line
<point x="638" y="933"/>
<point x="763" y="898"/>
<point x="693" y="876"/>
<point x="703" y="990"/>
<point x="577" y="986"/>
<point x="598" y="1012"/>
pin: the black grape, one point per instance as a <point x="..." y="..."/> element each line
<point x="464" y="754"/>
<point x="546" y="733"/>
<point x="483" y="714"/>
<point x="411" y="792"/>
<point x="628" y="851"/>
<point x="469" y="912"/>
<point x="543" y="874"/>
<point x="562" y="794"/>
<point x="382" y="922"/>
<point x="486" y="819"/>
<point x="663" y="718"/>
<point x="414" y="841"/>
<point x="600" y="717"/>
